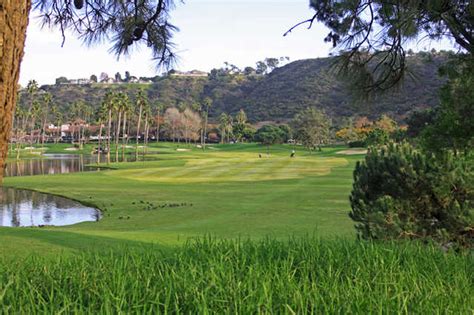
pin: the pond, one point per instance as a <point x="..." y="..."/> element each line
<point x="55" y="164"/>
<point x="30" y="208"/>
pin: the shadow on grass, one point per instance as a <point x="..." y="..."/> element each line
<point x="78" y="242"/>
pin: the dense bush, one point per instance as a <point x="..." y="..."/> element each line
<point x="401" y="193"/>
<point x="357" y="144"/>
<point x="272" y="134"/>
<point x="377" y="137"/>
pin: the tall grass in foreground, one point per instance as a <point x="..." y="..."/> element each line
<point x="219" y="276"/>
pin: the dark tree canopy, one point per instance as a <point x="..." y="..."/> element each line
<point x="371" y="34"/>
<point x="271" y="134"/>
<point x="123" y="23"/>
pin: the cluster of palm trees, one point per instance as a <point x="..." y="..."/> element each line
<point x="81" y="113"/>
<point x="119" y="119"/>
<point x="36" y="111"/>
<point x="236" y="129"/>
<point x="226" y="123"/>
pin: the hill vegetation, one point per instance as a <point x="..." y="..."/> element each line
<point x="276" y="96"/>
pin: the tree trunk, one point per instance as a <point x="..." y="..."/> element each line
<point x="186" y="135"/>
<point x="43" y="134"/>
<point x="158" y="129"/>
<point x="18" y="149"/>
<point x="99" y="148"/>
<point x="58" y="138"/>
<point x="32" y="134"/>
<point x="109" y="127"/>
<point x="205" y="130"/>
<point x="138" y="131"/>
<point x="124" y="130"/>
<point x="145" y="148"/>
<point x="81" y="136"/>
<point x="19" y="134"/>
<point x="128" y="132"/>
<point x="117" y="136"/>
<point x="13" y="23"/>
<point x="202" y="136"/>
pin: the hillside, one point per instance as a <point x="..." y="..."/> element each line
<point x="276" y="96"/>
<point x="311" y="83"/>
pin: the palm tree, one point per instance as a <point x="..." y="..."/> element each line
<point x="87" y="113"/>
<point x="142" y="101"/>
<point x="117" y="126"/>
<point x="207" y="104"/>
<point x="101" y="118"/>
<point x="81" y="114"/>
<point x="58" y="117"/>
<point x="127" y="109"/>
<point x="47" y="98"/>
<point x="20" y="117"/>
<point x="225" y="127"/>
<point x="108" y="105"/>
<point x="31" y="89"/>
<point x="73" y="116"/>
<point x="147" y="118"/>
<point x="35" y="112"/>
<point x="120" y="100"/>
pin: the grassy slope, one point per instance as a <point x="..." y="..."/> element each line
<point x="228" y="191"/>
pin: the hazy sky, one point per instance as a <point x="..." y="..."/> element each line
<point x="211" y="32"/>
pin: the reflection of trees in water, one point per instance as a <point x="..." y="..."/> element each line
<point x="56" y="165"/>
<point x="47" y="215"/>
<point x="41" y="165"/>
<point x="23" y="207"/>
<point x="60" y="203"/>
<point x="44" y="166"/>
<point x="9" y="195"/>
<point x="96" y="216"/>
<point x="15" y="217"/>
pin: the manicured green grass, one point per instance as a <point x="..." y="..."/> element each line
<point x="296" y="276"/>
<point x="227" y="191"/>
<point x="139" y="258"/>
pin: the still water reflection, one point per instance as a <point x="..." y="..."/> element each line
<point x="30" y="208"/>
<point x="54" y="164"/>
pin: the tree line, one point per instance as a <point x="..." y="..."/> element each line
<point x="137" y="117"/>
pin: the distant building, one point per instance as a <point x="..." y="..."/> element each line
<point x="145" y="81"/>
<point x="108" y="81"/>
<point x="77" y="81"/>
<point x="193" y="73"/>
